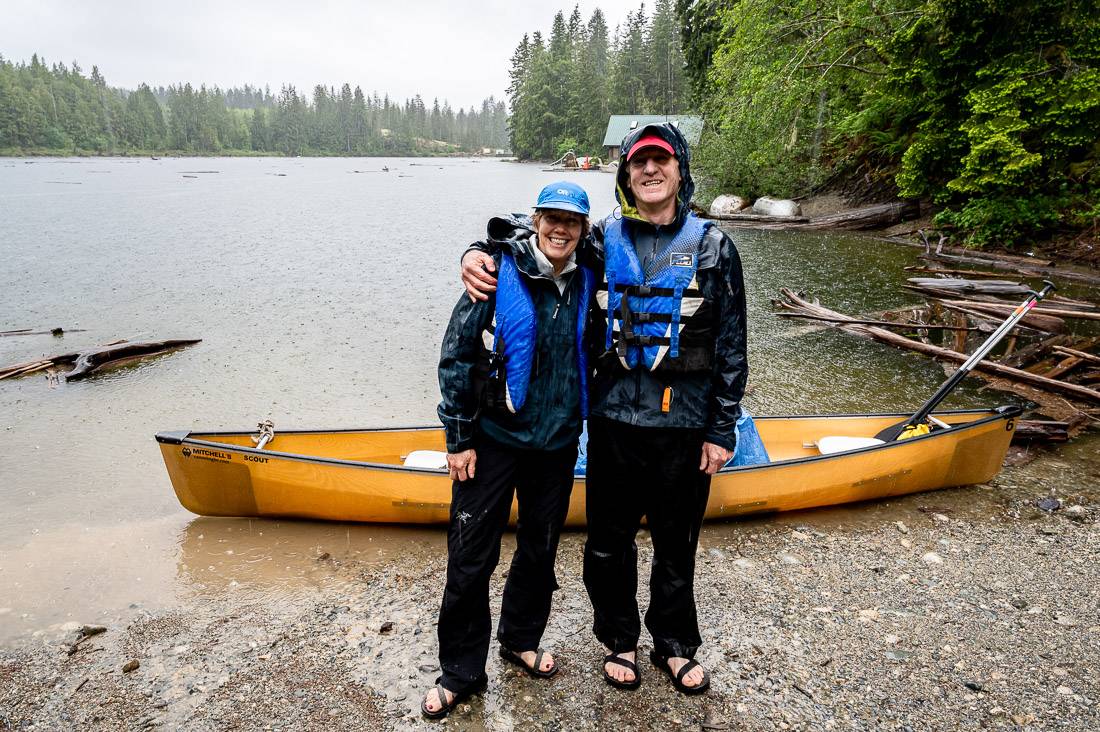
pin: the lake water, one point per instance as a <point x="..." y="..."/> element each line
<point x="320" y="288"/>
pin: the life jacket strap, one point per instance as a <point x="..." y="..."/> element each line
<point x="647" y="317"/>
<point x="647" y="291"/>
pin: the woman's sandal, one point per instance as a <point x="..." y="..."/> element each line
<point x="618" y="660"/>
<point x="661" y="662"/>
<point x="444" y="707"/>
<point x="456" y="699"/>
<point x="536" y="670"/>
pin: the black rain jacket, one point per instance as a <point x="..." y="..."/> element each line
<point x="550" y="418"/>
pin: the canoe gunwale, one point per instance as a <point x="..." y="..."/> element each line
<point x="183" y="437"/>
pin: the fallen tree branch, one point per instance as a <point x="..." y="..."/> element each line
<point x="796" y="303"/>
<point x="87" y="362"/>
<point x="882" y="323"/>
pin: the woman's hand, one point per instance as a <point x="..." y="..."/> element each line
<point x="461" y="464"/>
<point x="714" y="457"/>
<point x="476" y="277"/>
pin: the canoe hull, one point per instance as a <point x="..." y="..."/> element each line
<point x="219" y="474"/>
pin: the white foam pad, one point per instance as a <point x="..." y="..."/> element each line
<point x="830" y="445"/>
<point x="430" y="459"/>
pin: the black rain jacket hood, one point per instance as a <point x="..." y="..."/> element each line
<point x="672" y="135"/>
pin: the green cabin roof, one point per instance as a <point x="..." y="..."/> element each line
<point x="620" y="124"/>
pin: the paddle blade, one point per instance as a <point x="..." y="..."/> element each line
<point x="835" y="444"/>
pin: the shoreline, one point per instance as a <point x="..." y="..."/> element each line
<point x="969" y="608"/>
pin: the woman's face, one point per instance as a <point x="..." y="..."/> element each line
<point x="559" y="233"/>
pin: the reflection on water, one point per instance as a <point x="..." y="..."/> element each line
<point x="320" y="297"/>
<point x="292" y="557"/>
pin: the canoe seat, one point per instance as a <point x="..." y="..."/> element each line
<point x="430" y="459"/>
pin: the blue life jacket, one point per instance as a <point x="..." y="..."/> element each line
<point x="515" y="330"/>
<point x="646" y="310"/>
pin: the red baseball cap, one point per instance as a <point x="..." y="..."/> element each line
<point x="651" y="141"/>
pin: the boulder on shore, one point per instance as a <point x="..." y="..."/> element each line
<point x="727" y="204"/>
<point x="766" y="206"/>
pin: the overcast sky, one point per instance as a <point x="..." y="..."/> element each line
<point x="453" y="50"/>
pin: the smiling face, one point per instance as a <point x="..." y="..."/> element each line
<point x="559" y="233"/>
<point x="654" y="180"/>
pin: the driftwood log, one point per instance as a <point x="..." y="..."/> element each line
<point x="882" y="323"/>
<point x="87" y="362"/>
<point x="1003" y="310"/>
<point x="869" y="217"/>
<point x="1020" y="265"/>
<point x="795" y="303"/>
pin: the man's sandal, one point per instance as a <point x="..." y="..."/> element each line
<point x="535" y="670"/>
<point x="618" y="660"/>
<point x="661" y="662"/>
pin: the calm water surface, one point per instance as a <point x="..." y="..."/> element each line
<point x="320" y="288"/>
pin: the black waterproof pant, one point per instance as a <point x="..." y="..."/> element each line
<point x="651" y="472"/>
<point x="542" y="481"/>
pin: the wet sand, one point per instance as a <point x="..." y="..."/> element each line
<point x="972" y="608"/>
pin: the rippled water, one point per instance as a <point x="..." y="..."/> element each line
<point x="321" y="294"/>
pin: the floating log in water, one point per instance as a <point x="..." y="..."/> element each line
<point x="28" y="331"/>
<point x="967" y="287"/>
<point x="89" y="361"/>
<point x="881" y="323"/>
<point x="1041" y="430"/>
<point x="795" y="303"/>
<point x="1005" y="308"/>
<point x="1032" y="319"/>
<point x="1021" y="265"/>
<point x="869" y="217"/>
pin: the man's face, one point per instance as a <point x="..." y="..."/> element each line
<point x="654" y="177"/>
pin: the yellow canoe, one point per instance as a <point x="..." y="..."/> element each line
<point x="359" y="475"/>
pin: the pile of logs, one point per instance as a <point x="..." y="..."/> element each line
<point x="81" y="364"/>
<point x="1039" y="361"/>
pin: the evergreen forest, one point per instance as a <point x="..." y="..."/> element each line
<point x="58" y="109"/>
<point x="987" y="110"/>
<point x="564" y="86"/>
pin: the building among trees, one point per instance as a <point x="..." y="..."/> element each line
<point x="620" y="124"/>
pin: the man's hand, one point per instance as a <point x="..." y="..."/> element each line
<point x="476" y="275"/>
<point x="714" y="457"/>
<point x="461" y="464"/>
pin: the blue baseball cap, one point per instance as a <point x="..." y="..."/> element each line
<point x="564" y="196"/>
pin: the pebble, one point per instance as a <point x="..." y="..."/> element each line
<point x="131" y="665"/>
<point x="902" y="527"/>
<point x="1049" y="504"/>
<point x="786" y="558"/>
<point x="386" y="627"/>
<point x="1065" y="691"/>
<point x="744" y="563"/>
<point x="932" y="558"/>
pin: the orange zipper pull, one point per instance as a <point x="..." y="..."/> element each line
<point x="666" y="400"/>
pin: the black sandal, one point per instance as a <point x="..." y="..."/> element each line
<point x="661" y="662"/>
<point x="444" y="707"/>
<point x="534" y="671"/>
<point x="615" y="658"/>
<point x="456" y="699"/>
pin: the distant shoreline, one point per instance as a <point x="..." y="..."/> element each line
<point x="47" y="153"/>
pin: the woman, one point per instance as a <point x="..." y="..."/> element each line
<point x="513" y="378"/>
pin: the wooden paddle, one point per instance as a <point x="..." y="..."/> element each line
<point x="914" y="424"/>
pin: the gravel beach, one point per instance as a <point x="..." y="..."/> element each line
<point x="973" y="608"/>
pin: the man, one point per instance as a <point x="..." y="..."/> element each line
<point x="670" y="371"/>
